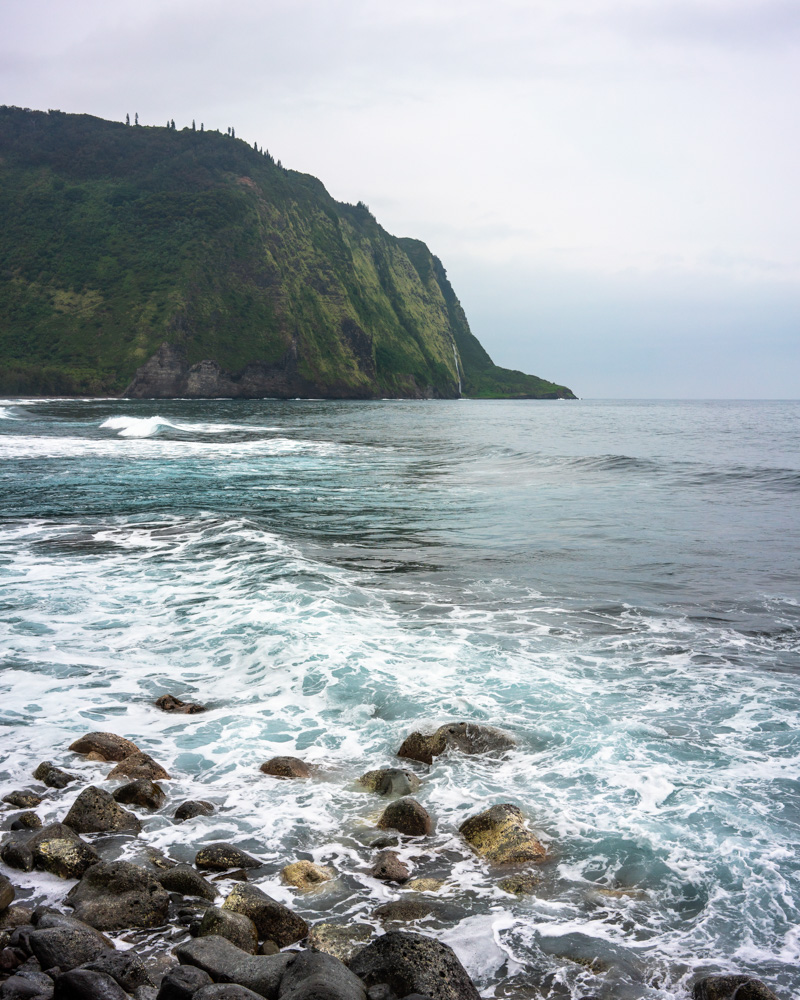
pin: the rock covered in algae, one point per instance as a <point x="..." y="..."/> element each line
<point x="466" y="737"/>
<point x="499" y="834"/>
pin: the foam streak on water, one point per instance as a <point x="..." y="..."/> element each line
<point x="617" y="585"/>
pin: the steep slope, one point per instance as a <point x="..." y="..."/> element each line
<point x="167" y="263"/>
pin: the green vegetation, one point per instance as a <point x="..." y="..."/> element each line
<point x="117" y="239"/>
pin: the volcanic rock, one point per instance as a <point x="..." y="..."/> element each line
<point x="142" y="792"/>
<point x="192" y="808"/>
<point x="26" y="821"/>
<point x="105" y="746"/>
<point x="188" y="882"/>
<point x="226" y="963"/>
<point x="390" y="781"/>
<point x="118" y="894"/>
<point x="52" y="776"/>
<point x="95" y="811"/>
<point x="286" y="767"/>
<point x="732" y="988"/>
<point x="236" y="927"/>
<point x="66" y="945"/>
<point x="124" y="967"/>
<point x="389" y="868"/>
<point x="64" y="858"/>
<point x="499" y="834"/>
<point x="139" y="765"/>
<point x="83" y="984"/>
<point x="169" y="703"/>
<point x="407" y="816"/>
<point x="273" y="920"/>
<point x="340" y="940"/>
<point x="306" y="875"/>
<point x="221" y="857"/>
<point x="467" y="737"/>
<point x="7" y="893"/>
<point x="23" y="799"/>
<point x="311" y="975"/>
<point x="412" y="963"/>
<point x="183" y="983"/>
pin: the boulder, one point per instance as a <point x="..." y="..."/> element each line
<point x="425" y="884"/>
<point x="390" y="781"/>
<point x="467" y="737"/>
<point x="7" y="893"/>
<point x="52" y="776"/>
<point x="83" y="984"/>
<point x="117" y="894"/>
<point x="139" y="765"/>
<point x="306" y="875"/>
<point x="226" y="991"/>
<point x="64" y="858"/>
<point x="23" y="799"/>
<point x="221" y="857"/>
<point x="14" y="852"/>
<point x="412" y="963"/>
<point x="25" y="988"/>
<point x="340" y="940"/>
<point x="104" y="746"/>
<point x="407" y="816"/>
<point x="286" y="767"/>
<point x="169" y="703"/>
<point x="236" y="927"/>
<point x="15" y="916"/>
<point x="406" y="911"/>
<point x="187" y="881"/>
<point x="192" y="808"/>
<point x="95" y="811"/>
<point x="226" y="963"/>
<point x="316" y="976"/>
<point x="389" y="868"/>
<point x="142" y="792"/>
<point x="273" y="920"/>
<point x="65" y="946"/>
<point x="499" y="834"/>
<point x="26" y="821"/>
<point x="522" y="884"/>
<point x="732" y="988"/>
<point x="124" y="967"/>
<point x="183" y="983"/>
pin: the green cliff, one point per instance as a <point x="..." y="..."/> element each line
<point x="157" y="262"/>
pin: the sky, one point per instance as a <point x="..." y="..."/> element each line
<point x="612" y="185"/>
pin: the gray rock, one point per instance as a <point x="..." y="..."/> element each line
<point x="14" y="852"/>
<point x="192" y="808"/>
<point x="64" y="946"/>
<point x="226" y="963"/>
<point x="467" y="737"/>
<point x="23" y="988"/>
<point x="115" y="895"/>
<point x="236" y="927"/>
<point x="389" y="868"/>
<point x="81" y="984"/>
<point x="226" y="991"/>
<point x="139" y="765"/>
<point x="7" y="893"/>
<point x="95" y="811"/>
<point x="169" y="703"/>
<point x="23" y="799"/>
<point x="340" y="940"/>
<point x="15" y="916"/>
<point x="286" y="767"/>
<point x="183" y="983"/>
<point x="142" y="792"/>
<point x="221" y="857"/>
<point x="124" y="967"/>
<point x="316" y="976"/>
<point x="106" y="746"/>
<point x="732" y="988"/>
<point x="390" y="781"/>
<point x="407" y="816"/>
<point x="64" y="858"/>
<point x="273" y="920"/>
<point x="24" y="852"/>
<point x="411" y="963"/>
<point x="188" y="882"/>
<point x="26" y="821"/>
<point x="52" y="776"/>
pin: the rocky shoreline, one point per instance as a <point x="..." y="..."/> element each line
<point x="249" y="945"/>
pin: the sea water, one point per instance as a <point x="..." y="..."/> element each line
<point x="615" y="584"/>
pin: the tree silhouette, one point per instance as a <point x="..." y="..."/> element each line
<point x="173" y="123"/>
<point x="194" y="129"/>
<point x="136" y="118"/>
<point x="127" y="119"/>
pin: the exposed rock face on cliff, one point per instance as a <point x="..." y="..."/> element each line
<point x="159" y="263"/>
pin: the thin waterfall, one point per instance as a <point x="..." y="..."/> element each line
<point x="458" y="370"/>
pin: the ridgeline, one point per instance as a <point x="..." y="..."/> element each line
<point x="155" y="262"/>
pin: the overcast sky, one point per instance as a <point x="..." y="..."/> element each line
<point x="612" y="185"/>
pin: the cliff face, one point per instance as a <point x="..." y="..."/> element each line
<point x="160" y="263"/>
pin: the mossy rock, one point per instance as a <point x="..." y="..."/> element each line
<point x="499" y="834"/>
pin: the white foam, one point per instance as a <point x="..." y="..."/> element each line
<point x="144" y="427"/>
<point x="6" y="414"/>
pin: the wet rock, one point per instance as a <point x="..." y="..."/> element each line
<point x="268" y="948"/>
<point x="191" y="808"/>
<point x="226" y="963"/>
<point x="24" y="852"/>
<point x="467" y="737"/>
<point x="237" y="875"/>
<point x="221" y="857"/>
<point x="411" y="963"/>
<point x="142" y="792"/>
<point x="95" y="811"/>
<point x="389" y="868"/>
<point x="23" y="799"/>
<point x="340" y="940"/>
<point x="732" y="988"/>
<point x="23" y="988"/>
<point x="226" y="991"/>
<point x="52" y="776"/>
<point x="15" y="854"/>
<point x="306" y="875"/>
<point x="405" y="911"/>
<point x="425" y="884"/>
<point x="139" y="765"/>
<point x="499" y="834"/>
<point x="82" y="984"/>
<point x="124" y="967"/>
<point x="273" y="920"/>
<point x="390" y="781"/>
<point x="65" y="946"/>
<point x="188" y="882"/>
<point x="26" y="821"/>
<point x="169" y="703"/>
<point x="286" y="767"/>
<point x="104" y="746"/>
<point x="7" y="893"/>
<point x="183" y="983"/>
<point x="114" y="895"/>
<point x="15" y="916"/>
<point x="11" y="958"/>
<point x="316" y="975"/>
<point x="64" y="858"/>
<point x="407" y="816"/>
<point x="523" y="884"/>
<point x="236" y="927"/>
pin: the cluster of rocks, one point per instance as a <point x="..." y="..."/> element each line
<point x="251" y="945"/>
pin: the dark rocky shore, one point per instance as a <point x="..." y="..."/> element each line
<point x="246" y="945"/>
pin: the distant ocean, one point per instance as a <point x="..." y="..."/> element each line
<point x="616" y="584"/>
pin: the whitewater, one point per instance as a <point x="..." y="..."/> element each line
<point x="616" y="584"/>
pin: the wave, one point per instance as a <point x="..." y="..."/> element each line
<point x="144" y="427"/>
<point x="6" y="414"/>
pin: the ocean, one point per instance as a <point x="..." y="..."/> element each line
<point x="615" y="584"/>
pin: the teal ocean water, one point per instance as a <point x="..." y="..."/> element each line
<point x="616" y="584"/>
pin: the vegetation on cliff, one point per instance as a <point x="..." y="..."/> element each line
<point x="118" y="239"/>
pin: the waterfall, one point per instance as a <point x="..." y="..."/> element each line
<point x="458" y="370"/>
